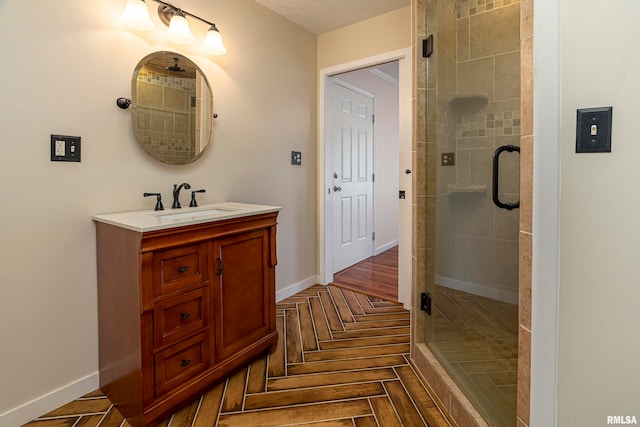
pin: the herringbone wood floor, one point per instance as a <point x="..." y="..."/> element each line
<point x="341" y="361"/>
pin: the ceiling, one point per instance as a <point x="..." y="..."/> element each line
<point x="321" y="16"/>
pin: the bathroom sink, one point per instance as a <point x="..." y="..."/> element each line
<point x="193" y="214"/>
<point x="148" y="220"/>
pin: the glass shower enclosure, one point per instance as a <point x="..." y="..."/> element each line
<point x="473" y="118"/>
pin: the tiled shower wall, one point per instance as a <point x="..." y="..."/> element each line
<point x="166" y="114"/>
<point x="477" y="77"/>
<point x="463" y="129"/>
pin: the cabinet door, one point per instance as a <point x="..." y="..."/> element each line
<point x="243" y="291"/>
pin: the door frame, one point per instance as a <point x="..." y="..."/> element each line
<point x="405" y="276"/>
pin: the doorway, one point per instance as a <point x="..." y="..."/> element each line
<point x="400" y="225"/>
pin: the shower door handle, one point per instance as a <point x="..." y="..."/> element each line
<point x="496" y="165"/>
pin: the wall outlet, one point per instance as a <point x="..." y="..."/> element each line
<point x="60" y="148"/>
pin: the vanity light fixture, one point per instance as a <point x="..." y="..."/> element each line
<point x="212" y="43"/>
<point x="136" y="15"/>
<point x="179" y="31"/>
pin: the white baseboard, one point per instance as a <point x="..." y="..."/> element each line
<point x="500" y="294"/>
<point x="385" y="247"/>
<point x="50" y="401"/>
<point x="295" y="288"/>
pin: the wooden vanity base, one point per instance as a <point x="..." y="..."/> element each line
<point x="180" y="309"/>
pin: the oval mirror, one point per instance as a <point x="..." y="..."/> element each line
<point x="172" y="108"/>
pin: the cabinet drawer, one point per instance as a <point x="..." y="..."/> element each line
<point x="176" y="318"/>
<point x="179" y="268"/>
<point x="180" y="362"/>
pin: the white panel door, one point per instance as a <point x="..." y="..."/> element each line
<point x="352" y="177"/>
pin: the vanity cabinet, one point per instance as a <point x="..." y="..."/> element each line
<point x="181" y="308"/>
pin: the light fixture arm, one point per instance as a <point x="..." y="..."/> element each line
<point x="182" y="11"/>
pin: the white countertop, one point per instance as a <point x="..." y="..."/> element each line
<point x="150" y="220"/>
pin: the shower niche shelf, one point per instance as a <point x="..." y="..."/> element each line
<point x="467" y="188"/>
<point x="465" y="99"/>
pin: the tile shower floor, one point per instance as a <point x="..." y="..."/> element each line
<point x="476" y="339"/>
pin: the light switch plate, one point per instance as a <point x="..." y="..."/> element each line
<point x="65" y="148"/>
<point x="296" y="158"/>
<point x="593" y="130"/>
<point x="448" y="159"/>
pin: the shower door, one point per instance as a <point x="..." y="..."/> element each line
<point x="474" y="78"/>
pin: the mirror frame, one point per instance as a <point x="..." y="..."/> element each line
<point x="174" y="125"/>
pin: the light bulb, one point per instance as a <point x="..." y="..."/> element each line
<point x="212" y="43"/>
<point x="179" y="31"/>
<point x="136" y="15"/>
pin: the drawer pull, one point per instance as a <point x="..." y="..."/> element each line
<point x="183" y="269"/>
<point x="185" y="316"/>
<point x="185" y="362"/>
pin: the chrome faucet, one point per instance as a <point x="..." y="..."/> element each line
<point x="176" y="194"/>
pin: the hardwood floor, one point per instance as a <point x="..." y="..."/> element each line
<point x="375" y="276"/>
<point x="342" y="360"/>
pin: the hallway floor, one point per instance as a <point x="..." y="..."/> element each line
<point x="375" y="276"/>
<point x="342" y="360"/>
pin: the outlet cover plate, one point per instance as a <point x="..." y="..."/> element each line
<point x="65" y="148"/>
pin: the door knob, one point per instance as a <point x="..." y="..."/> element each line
<point x="336" y="188"/>
<point x="408" y="171"/>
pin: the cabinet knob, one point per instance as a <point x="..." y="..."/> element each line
<point x="185" y="316"/>
<point x="185" y="362"/>
<point x="183" y="268"/>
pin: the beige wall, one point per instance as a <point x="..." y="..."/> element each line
<point x="385" y="33"/>
<point x="65" y="66"/>
<point x="599" y="298"/>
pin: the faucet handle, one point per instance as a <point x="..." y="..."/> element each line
<point x="159" y="206"/>
<point x="194" y="203"/>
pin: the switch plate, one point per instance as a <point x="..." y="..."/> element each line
<point x="65" y="148"/>
<point x="593" y="130"/>
<point x="448" y="159"/>
<point x="296" y="158"/>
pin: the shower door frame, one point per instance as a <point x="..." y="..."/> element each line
<point x="537" y="393"/>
